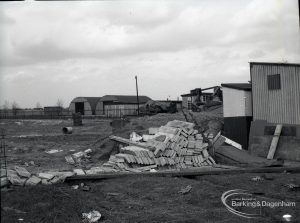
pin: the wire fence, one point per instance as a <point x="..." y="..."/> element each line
<point x="63" y="114"/>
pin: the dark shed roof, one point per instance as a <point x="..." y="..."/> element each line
<point x="238" y="86"/>
<point x="275" y="64"/>
<point x="190" y="94"/>
<point x="125" y="99"/>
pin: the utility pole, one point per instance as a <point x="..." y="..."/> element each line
<point x="137" y="96"/>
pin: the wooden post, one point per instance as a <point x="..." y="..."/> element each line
<point x="137" y="96"/>
<point x="274" y="142"/>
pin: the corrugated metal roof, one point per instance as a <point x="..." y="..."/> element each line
<point x="126" y="99"/>
<point x="274" y="64"/>
<point x="238" y="86"/>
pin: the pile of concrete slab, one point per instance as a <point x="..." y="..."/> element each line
<point x="19" y="176"/>
<point x="177" y="145"/>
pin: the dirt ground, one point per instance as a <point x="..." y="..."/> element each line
<point x="29" y="140"/>
<point x="148" y="199"/>
<point x="139" y="199"/>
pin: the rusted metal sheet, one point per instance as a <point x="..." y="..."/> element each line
<point x="279" y="105"/>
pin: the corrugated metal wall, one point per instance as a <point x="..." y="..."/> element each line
<point x="276" y="106"/>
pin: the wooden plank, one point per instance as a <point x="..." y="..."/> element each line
<point x="274" y="142"/>
<point x="129" y="142"/>
<point x="202" y="171"/>
<point x="232" y="143"/>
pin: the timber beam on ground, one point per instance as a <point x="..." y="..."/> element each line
<point x="186" y="173"/>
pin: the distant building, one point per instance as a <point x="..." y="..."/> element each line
<point x="53" y="110"/>
<point x="119" y="105"/>
<point x="198" y="97"/>
<point x="84" y="105"/>
<point x="237" y="111"/>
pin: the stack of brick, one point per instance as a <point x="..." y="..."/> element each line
<point x="176" y="145"/>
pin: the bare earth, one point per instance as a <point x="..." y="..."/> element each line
<point x="139" y="199"/>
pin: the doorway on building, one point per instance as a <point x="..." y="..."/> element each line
<point x="79" y="107"/>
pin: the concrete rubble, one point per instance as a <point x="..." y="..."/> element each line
<point x="177" y="145"/>
<point x="21" y="177"/>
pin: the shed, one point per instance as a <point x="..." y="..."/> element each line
<point x="276" y="100"/>
<point x="119" y="105"/>
<point x="276" y="92"/>
<point x="84" y="105"/>
<point x="237" y="110"/>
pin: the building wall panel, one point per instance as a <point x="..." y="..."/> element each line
<point x="236" y="102"/>
<point x="280" y="105"/>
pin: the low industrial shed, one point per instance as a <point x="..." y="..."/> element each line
<point x="237" y="110"/>
<point x="84" y="105"/>
<point x="119" y="105"/>
<point x="276" y="100"/>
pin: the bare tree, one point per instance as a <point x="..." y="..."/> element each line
<point x="60" y="103"/>
<point x="14" y="107"/>
<point x="38" y="105"/>
<point x="5" y="107"/>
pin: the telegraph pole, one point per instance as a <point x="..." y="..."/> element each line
<point x="137" y="96"/>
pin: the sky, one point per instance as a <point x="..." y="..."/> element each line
<point x="65" y="49"/>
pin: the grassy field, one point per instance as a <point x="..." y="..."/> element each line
<point x="147" y="199"/>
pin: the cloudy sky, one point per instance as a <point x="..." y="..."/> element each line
<point x="61" y="50"/>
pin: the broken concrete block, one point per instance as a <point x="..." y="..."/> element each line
<point x="46" y="176"/>
<point x="16" y="180"/>
<point x="79" y="172"/>
<point x="56" y="180"/>
<point x="205" y="153"/>
<point x="22" y="172"/>
<point x="46" y="182"/>
<point x="32" y="181"/>
<point x="69" y="160"/>
<point x="153" y="131"/>
<point x="148" y="137"/>
<point x="4" y="181"/>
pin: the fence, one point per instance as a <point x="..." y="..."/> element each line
<point x="63" y="114"/>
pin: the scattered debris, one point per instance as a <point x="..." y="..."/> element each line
<point x="22" y="172"/>
<point x="46" y="176"/>
<point x="4" y="182"/>
<point x="75" y="187"/>
<point x="32" y="181"/>
<point x="67" y="130"/>
<point x="69" y="160"/>
<point x="79" y="172"/>
<point x="185" y="190"/>
<point x="52" y="151"/>
<point x="135" y="137"/>
<point x="287" y="217"/>
<point x="257" y="178"/>
<point x="177" y="145"/>
<point x="292" y="186"/>
<point x="92" y="216"/>
<point x="78" y="157"/>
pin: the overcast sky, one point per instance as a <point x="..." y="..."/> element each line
<point x="61" y="50"/>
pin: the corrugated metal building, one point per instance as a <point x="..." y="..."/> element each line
<point x="276" y="92"/>
<point x="84" y="105"/>
<point x="276" y="100"/>
<point x="119" y="105"/>
<point x="237" y="110"/>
